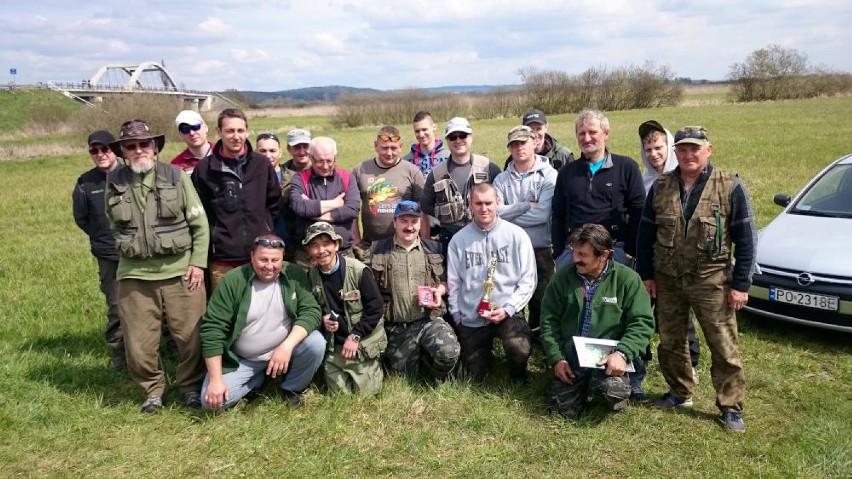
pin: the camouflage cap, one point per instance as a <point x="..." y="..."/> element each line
<point x="519" y="133"/>
<point x="321" y="228"/>
<point x="696" y="135"/>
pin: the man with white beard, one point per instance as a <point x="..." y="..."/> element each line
<point x="162" y="236"/>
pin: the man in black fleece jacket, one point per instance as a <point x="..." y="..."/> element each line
<point x="600" y="187"/>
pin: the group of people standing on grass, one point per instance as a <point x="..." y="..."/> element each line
<point x="413" y="262"/>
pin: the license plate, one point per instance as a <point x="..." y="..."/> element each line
<point x="808" y="300"/>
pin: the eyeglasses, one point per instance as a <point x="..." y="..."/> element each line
<point x="268" y="243"/>
<point x="184" y="129"/>
<point x="141" y="145"/>
<point x="268" y="136"/>
<point x="694" y="132"/>
<point x="94" y="150"/>
<point x="457" y="136"/>
<point x="391" y="138"/>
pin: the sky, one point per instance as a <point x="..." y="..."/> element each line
<point x="274" y="45"/>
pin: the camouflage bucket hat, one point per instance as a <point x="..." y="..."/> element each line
<point x="321" y="228"/>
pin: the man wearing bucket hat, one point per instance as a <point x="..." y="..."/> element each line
<point x="88" y="206"/>
<point x="696" y="247"/>
<point x="557" y="154"/>
<point x="352" y="307"/>
<point x="162" y="236"/>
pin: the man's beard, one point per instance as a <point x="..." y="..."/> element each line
<point x="142" y="166"/>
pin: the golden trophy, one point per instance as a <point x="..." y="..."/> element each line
<point x="487" y="286"/>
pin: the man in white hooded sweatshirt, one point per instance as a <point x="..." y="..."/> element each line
<point x="656" y="147"/>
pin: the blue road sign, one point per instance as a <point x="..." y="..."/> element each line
<point x="13" y="71"/>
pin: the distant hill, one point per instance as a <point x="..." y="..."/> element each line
<point x="332" y="92"/>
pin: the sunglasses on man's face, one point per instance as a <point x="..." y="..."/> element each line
<point x="184" y="129"/>
<point x="94" y="150"/>
<point x="457" y="136"/>
<point x="141" y="145"/>
<point x="694" y="133"/>
<point x="391" y="138"/>
<point x="268" y="243"/>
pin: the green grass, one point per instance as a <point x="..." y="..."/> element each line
<point x="64" y="414"/>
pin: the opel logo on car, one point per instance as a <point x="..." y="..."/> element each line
<point x="805" y="279"/>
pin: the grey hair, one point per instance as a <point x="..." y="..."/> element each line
<point x="322" y="141"/>
<point x="589" y="115"/>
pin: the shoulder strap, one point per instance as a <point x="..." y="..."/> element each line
<point x="440" y="170"/>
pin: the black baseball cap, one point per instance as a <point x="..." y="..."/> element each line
<point x="534" y="116"/>
<point x="648" y="127"/>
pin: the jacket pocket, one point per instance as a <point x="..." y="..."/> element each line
<point x="173" y="239"/>
<point x="169" y="205"/>
<point x="119" y="209"/>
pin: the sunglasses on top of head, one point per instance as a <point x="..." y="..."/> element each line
<point x="391" y="138"/>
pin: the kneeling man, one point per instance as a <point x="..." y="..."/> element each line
<point x="491" y="278"/>
<point x="410" y="273"/>
<point x="595" y="297"/>
<point x="262" y="320"/>
<point x="352" y="314"/>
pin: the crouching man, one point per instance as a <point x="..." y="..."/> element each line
<point x="595" y="297"/>
<point x="410" y="274"/>
<point x="352" y="314"/>
<point x="262" y="320"/>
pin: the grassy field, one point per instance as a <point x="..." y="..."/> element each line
<point x="64" y="414"/>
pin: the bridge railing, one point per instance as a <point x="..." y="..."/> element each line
<point x="86" y="85"/>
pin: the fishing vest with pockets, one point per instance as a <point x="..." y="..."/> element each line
<point x="450" y="203"/>
<point x="373" y="345"/>
<point x="161" y="229"/>
<point x="701" y="246"/>
<point x="383" y="270"/>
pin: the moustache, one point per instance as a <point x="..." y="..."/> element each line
<point x="408" y="231"/>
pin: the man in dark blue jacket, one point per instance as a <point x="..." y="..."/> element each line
<point x="88" y="204"/>
<point x="600" y="187"/>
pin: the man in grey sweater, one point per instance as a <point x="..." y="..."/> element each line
<point x="525" y="191"/>
<point x="491" y="277"/>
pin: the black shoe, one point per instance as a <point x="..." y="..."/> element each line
<point x="152" y="405"/>
<point x="291" y="398"/>
<point x="192" y="400"/>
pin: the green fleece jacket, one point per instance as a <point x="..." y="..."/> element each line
<point x="621" y="310"/>
<point x="225" y="318"/>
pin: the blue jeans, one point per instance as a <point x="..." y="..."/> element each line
<point x="249" y="375"/>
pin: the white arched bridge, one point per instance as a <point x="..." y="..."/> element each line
<point x="147" y="77"/>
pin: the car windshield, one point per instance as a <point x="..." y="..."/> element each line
<point x="831" y="195"/>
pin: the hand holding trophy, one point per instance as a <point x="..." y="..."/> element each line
<point x="487" y="287"/>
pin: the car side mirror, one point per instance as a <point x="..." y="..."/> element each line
<point x="782" y="199"/>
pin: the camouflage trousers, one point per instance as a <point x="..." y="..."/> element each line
<point x="358" y="376"/>
<point x="427" y="342"/>
<point x="708" y="298"/>
<point x="570" y="400"/>
<point x="477" y="345"/>
<point x="544" y="269"/>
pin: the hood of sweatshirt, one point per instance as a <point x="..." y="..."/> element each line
<point x="651" y="174"/>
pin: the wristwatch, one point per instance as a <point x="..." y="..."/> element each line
<point x="623" y="356"/>
<point x="355" y="337"/>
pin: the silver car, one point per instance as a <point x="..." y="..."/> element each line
<point x="804" y="256"/>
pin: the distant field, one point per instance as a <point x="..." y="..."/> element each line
<point x="64" y="414"/>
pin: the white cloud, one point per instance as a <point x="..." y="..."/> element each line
<point x="240" y="55"/>
<point x="215" y="26"/>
